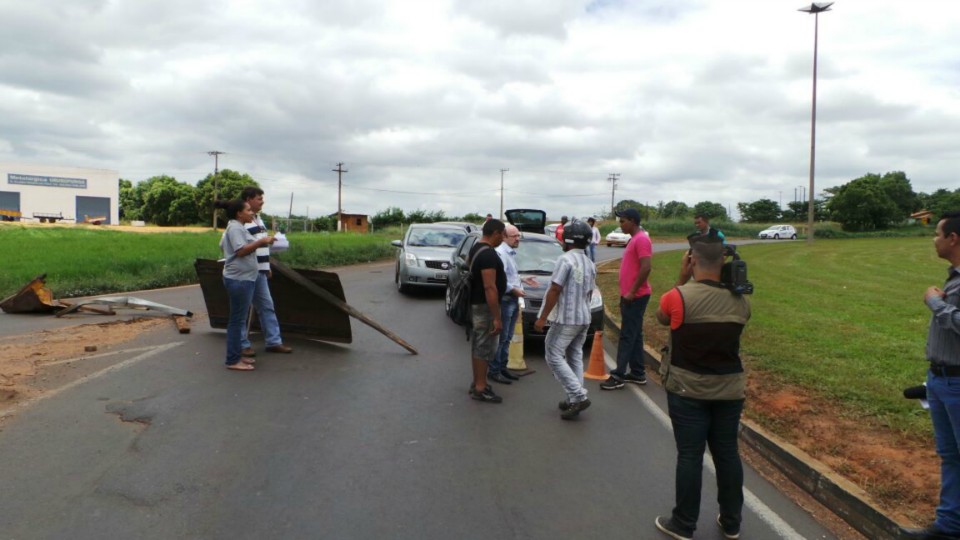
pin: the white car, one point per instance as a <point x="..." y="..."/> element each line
<point x="778" y="232"/>
<point x="617" y="237"/>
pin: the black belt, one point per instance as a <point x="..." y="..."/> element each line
<point x="945" y="371"/>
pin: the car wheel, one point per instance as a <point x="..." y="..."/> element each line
<point x="447" y="301"/>
<point x="776" y="237"/>
<point x="794" y="237"/>
<point x="609" y="244"/>
<point x="401" y="286"/>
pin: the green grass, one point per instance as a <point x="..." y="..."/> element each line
<point x="83" y="262"/>
<point x="843" y="318"/>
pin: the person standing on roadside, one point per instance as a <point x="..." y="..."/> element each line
<point x="702" y="224"/>
<point x="634" y="297"/>
<point x="509" y="306"/>
<point x="487" y="286"/>
<point x="240" y="273"/>
<point x="705" y="383"/>
<point x="594" y="239"/>
<point x="262" y="300"/>
<point x="559" y="231"/>
<point x="943" y="382"/>
<point x="567" y="307"/>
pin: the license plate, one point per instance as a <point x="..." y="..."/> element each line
<point x="441" y="275"/>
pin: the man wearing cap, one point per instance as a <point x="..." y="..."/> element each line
<point x="705" y="383"/>
<point x="634" y="297"/>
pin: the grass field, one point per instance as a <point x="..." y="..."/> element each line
<point x="842" y="318"/>
<point x="84" y="262"/>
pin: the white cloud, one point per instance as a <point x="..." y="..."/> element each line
<point x="687" y="99"/>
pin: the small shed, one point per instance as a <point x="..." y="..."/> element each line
<point x="354" y="223"/>
<point x="923" y="216"/>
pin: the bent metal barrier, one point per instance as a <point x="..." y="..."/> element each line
<point x="310" y="303"/>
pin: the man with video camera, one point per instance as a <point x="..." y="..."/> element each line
<point x="705" y="383"/>
<point x="943" y="382"/>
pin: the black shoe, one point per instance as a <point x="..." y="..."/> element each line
<point x="509" y="375"/>
<point x="730" y="533"/>
<point x="930" y="532"/>
<point x="487" y="395"/>
<point x="564" y="405"/>
<point x="612" y="383"/>
<point x="671" y="529"/>
<point x="635" y="379"/>
<point x="574" y="409"/>
<point x="496" y="377"/>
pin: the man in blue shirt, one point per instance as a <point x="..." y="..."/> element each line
<point x="943" y="382"/>
<point x="509" y="306"/>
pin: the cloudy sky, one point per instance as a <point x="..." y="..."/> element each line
<point x="425" y="101"/>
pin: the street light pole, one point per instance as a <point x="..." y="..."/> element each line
<point x="216" y="173"/>
<point x="501" y="191"/>
<point x="815" y="8"/>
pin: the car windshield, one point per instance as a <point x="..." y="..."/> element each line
<point x="435" y="237"/>
<point x="535" y="257"/>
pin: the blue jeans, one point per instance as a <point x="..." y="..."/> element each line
<point x="563" y="349"/>
<point x="592" y="252"/>
<point x="943" y="393"/>
<point x="263" y="303"/>
<point x="509" y="311"/>
<point x="696" y="424"/>
<point x="241" y="295"/>
<point x="630" y="347"/>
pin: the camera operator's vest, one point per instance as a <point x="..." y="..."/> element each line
<point x="704" y="357"/>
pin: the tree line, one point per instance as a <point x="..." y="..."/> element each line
<point x="871" y="202"/>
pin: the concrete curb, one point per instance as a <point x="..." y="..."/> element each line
<point x="844" y="498"/>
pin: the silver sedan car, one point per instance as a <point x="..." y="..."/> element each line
<point x="423" y="257"/>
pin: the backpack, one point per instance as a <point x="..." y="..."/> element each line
<point x="460" y="309"/>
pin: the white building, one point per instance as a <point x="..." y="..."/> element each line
<point x="48" y="193"/>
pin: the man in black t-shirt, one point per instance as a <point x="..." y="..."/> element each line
<point x="488" y="284"/>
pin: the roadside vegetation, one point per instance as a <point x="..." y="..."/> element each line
<point x="85" y="262"/>
<point x="842" y="319"/>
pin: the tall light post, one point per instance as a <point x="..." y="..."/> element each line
<point x="216" y="173"/>
<point x="501" y="191"/>
<point x="815" y="8"/>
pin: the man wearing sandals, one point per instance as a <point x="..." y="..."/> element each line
<point x="488" y="284"/>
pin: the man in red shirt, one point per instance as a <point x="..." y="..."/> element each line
<point x="559" y="232"/>
<point x="634" y="297"/>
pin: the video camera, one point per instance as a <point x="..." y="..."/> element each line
<point x="733" y="275"/>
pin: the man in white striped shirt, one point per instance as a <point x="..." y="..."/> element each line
<point x="262" y="300"/>
<point x="567" y="307"/>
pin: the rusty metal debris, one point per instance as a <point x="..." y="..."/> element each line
<point x="125" y="302"/>
<point x="296" y="293"/>
<point x="34" y="297"/>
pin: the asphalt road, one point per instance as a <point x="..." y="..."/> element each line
<point x="359" y="441"/>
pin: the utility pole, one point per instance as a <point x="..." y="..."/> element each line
<point x="501" y="191"/>
<point x="613" y="189"/>
<point x="216" y="172"/>
<point x="340" y="170"/>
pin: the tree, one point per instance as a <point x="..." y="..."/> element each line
<point x="473" y="217"/>
<point x="675" y="209"/>
<point x="862" y="205"/>
<point x="167" y="201"/>
<point x="763" y="210"/>
<point x="129" y="203"/>
<point x="385" y="218"/>
<point x="229" y="184"/>
<point x="940" y="201"/>
<point x="711" y="210"/>
<point x="897" y="187"/>
<point x="645" y="211"/>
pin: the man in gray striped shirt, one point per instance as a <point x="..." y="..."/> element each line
<point x="943" y="382"/>
<point x="567" y="307"/>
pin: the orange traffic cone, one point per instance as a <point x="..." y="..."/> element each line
<point x="596" y="370"/>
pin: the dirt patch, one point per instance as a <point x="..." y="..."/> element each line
<point x="23" y="358"/>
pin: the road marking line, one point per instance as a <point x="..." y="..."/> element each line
<point x="92" y="356"/>
<point x="116" y="367"/>
<point x="764" y="512"/>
